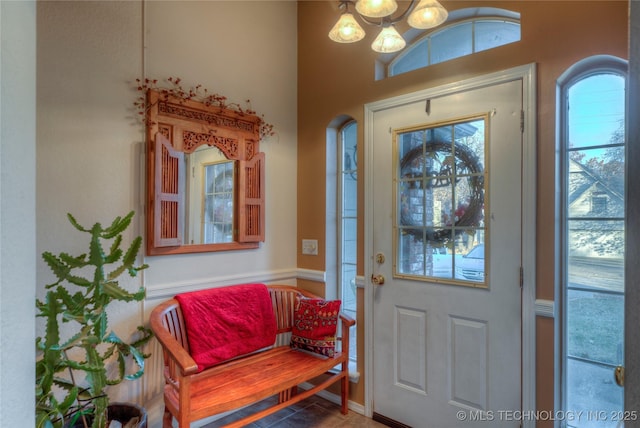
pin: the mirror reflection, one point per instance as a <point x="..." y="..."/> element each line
<point x="209" y="197"/>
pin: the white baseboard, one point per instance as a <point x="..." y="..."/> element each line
<point x="334" y="398"/>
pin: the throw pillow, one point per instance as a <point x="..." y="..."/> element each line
<point x="315" y="322"/>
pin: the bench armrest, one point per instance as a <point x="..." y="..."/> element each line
<point x="347" y="320"/>
<point x="172" y="348"/>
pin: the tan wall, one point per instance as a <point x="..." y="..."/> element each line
<point x="335" y="79"/>
<point x="88" y="143"/>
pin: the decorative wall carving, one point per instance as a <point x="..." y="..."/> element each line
<point x="251" y="148"/>
<point x="192" y="140"/>
<point x="217" y="119"/>
<point x="165" y="130"/>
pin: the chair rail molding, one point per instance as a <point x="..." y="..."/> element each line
<point x="168" y="290"/>
<point x="312" y="275"/>
<point x="545" y="308"/>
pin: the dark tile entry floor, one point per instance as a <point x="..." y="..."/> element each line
<point x="314" y="412"/>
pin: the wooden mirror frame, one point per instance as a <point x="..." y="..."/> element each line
<point x="176" y="127"/>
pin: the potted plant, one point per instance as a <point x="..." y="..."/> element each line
<point x="73" y="373"/>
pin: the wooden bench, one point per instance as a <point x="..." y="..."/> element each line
<point x="190" y="395"/>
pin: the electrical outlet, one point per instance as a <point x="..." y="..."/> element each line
<point x="310" y="247"/>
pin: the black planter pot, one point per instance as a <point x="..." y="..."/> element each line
<point x="121" y="412"/>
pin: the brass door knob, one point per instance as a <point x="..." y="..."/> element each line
<point x="618" y="373"/>
<point x="377" y="279"/>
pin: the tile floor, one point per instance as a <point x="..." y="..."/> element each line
<point x="314" y="412"/>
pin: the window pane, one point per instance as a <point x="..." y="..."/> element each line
<point x="349" y="288"/>
<point x="441" y="262"/>
<point x="349" y="238"/>
<point x="415" y="57"/>
<point x="349" y="149"/>
<point x="596" y="182"/>
<point x="595" y="322"/>
<point x="469" y="137"/>
<point x="491" y="34"/>
<point x="411" y="207"/>
<point x="471" y="267"/>
<point x="452" y="42"/>
<point x="596" y="111"/>
<point x="596" y="254"/>
<point x="592" y="390"/>
<point x="350" y="194"/>
<point x="442" y="207"/>
<point x="411" y="251"/>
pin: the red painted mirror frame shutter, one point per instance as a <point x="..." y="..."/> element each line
<point x="251" y="198"/>
<point x="168" y="194"/>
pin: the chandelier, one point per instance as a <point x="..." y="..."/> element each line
<point x="422" y="15"/>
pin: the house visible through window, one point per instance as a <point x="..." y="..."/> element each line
<point x="599" y="203"/>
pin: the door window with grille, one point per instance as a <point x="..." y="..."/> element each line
<point x="440" y="202"/>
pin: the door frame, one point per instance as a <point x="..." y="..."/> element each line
<point x="526" y="73"/>
<point x="632" y="210"/>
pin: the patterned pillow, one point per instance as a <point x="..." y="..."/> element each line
<point x="315" y="322"/>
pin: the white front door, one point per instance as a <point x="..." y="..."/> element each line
<point x="446" y="241"/>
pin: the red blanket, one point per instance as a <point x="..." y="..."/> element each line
<point x="226" y="322"/>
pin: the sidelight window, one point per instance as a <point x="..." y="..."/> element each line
<point x="348" y="224"/>
<point x="592" y="105"/>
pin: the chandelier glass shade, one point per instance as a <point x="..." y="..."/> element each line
<point x="346" y="30"/>
<point x="428" y="14"/>
<point x="376" y="8"/>
<point x="422" y="14"/>
<point x="389" y="40"/>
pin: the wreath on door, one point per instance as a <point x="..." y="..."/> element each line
<point x="460" y="163"/>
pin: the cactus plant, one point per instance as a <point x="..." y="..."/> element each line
<point x="72" y="374"/>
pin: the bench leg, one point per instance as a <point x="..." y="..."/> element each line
<point x="167" y="418"/>
<point x="344" y="393"/>
<point x="183" y="421"/>
<point x="286" y="395"/>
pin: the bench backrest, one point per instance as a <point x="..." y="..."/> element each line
<point x="283" y="298"/>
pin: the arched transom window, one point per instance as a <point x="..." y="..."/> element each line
<point x="469" y="31"/>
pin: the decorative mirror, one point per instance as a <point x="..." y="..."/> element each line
<point x="205" y="177"/>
